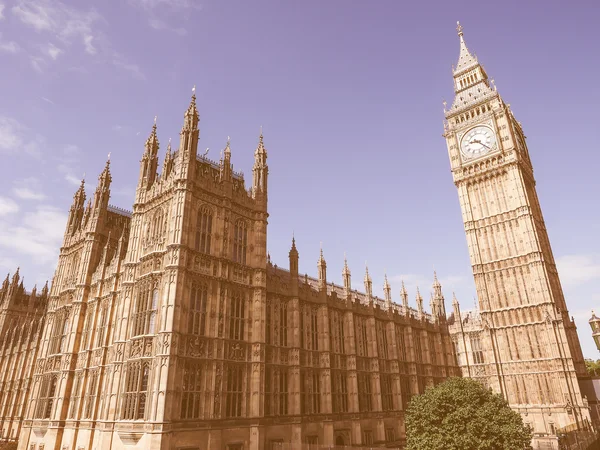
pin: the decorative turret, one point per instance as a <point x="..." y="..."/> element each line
<point x="322" y="269"/>
<point x="168" y="162"/>
<point x="368" y="283"/>
<point x="149" y="162"/>
<point x="294" y="257"/>
<point x="387" y="292"/>
<point x="347" y="279"/>
<point x="404" y="297"/>
<point x="419" y="303"/>
<point x="260" y="170"/>
<point x="77" y="208"/>
<point x="455" y="307"/>
<point x="188" y="143"/>
<point x="438" y="297"/>
<point x="225" y="163"/>
<point x="45" y="290"/>
<point x="102" y="194"/>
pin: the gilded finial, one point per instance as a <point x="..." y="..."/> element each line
<point x="194" y="90"/>
<point x="155" y="117"/>
<point x="459" y="28"/>
<point x="108" y="159"/>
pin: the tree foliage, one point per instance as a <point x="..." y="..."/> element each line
<point x="461" y="414"/>
<point x="593" y="367"/>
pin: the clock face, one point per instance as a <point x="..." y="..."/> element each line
<point x="478" y="141"/>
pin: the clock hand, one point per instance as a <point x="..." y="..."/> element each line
<point x="477" y="141"/>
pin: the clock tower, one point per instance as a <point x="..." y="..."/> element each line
<point x="525" y="346"/>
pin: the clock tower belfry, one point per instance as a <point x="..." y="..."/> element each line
<point x="526" y="347"/>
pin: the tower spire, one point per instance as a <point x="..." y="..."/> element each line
<point x="260" y="170"/>
<point x="322" y="269"/>
<point x="465" y="59"/>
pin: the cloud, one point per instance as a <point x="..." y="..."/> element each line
<point x="16" y="137"/>
<point x="578" y="269"/>
<point x="158" y="24"/>
<point x="1" y="11"/>
<point x="37" y="234"/>
<point x="47" y="100"/>
<point x="177" y="5"/>
<point x="9" y="46"/>
<point x="69" y="162"/>
<point x="37" y="63"/>
<point x="87" y="42"/>
<point x="25" y="193"/>
<point x="53" y="51"/>
<point x="120" y="62"/>
<point x="8" y="206"/>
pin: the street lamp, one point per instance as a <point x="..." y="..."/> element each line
<point x="595" y="325"/>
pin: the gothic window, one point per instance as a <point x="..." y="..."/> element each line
<point x="75" y="395"/>
<point x="382" y="345"/>
<point x="135" y="390"/>
<point x="283" y="330"/>
<point x="309" y="328"/>
<point x="339" y="387"/>
<point x="197" y="317"/>
<point x="236" y="317"/>
<point x="418" y="347"/>
<point x="46" y="398"/>
<point x="336" y="335"/>
<point x="387" y="395"/>
<point x="191" y="397"/>
<point x="476" y="349"/>
<point x="367" y="437"/>
<point x="314" y="330"/>
<point x="457" y="351"/>
<point x="361" y="336"/>
<point x="234" y="393"/>
<point x="364" y="392"/>
<point x="268" y="324"/>
<point x="390" y="434"/>
<point x="100" y="329"/>
<point x="405" y="391"/>
<point x="240" y="242"/>
<point x="400" y="343"/>
<point x="311" y="391"/>
<point x="85" y="334"/>
<point x="276" y="391"/>
<point x="91" y="394"/>
<point x="158" y="224"/>
<point x="60" y="326"/>
<point x="144" y="319"/>
<point x="204" y="230"/>
<point x="432" y="350"/>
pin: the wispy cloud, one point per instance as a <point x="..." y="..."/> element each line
<point x="68" y="164"/>
<point x="14" y="137"/>
<point x="37" y="63"/>
<point x="173" y="4"/>
<point x="53" y="51"/>
<point x="1" y="11"/>
<point x="38" y="234"/>
<point x="120" y="62"/>
<point x="578" y="269"/>
<point x="47" y="100"/>
<point x="29" y="188"/>
<point x="8" y="206"/>
<point x="159" y="24"/>
<point x="8" y="46"/>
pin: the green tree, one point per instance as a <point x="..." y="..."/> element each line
<point x="593" y="367"/>
<point x="461" y="414"/>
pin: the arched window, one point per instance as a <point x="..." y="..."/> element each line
<point x="144" y="321"/>
<point x="204" y="230"/>
<point x="240" y="242"/>
<point x="236" y="317"/>
<point x="158" y="223"/>
<point x="198" y="301"/>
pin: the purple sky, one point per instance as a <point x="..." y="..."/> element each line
<point x="349" y="95"/>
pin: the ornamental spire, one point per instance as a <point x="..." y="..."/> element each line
<point x="465" y="59"/>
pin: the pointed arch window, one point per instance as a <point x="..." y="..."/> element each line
<point x="158" y="225"/>
<point x="60" y="327"/>
<point x="204" y="230"/>
<point x="240" y="242"/>
<point x="197" y="318"/>
<point x="46" y="398"/>
<point x="101" y="327"/>
<point x="236" y="317"/>
<point x="136" y="390"/>
<point x="144" y="321"/>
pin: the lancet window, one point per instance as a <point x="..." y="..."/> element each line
<point x="311" y="391"/>
<point x="400" y="342"/>
<point x="476" y="349"/>
<point x="336" y="327"/>
<point x="360" y="324"/>
<point x="240" y="242"/>
<point x="364" y="392"/>
<point x="144" y="319"/>
<point x="277" y="323"/>
<point x="382" y="345"/>
<point x="234" y="391"/>
<point x="197" y="314"/>
<point x="135" y="393"/>
<point x="90" y="398"/>
<point x="102" y="321"/>
<point x="236" y="317"/>
<point x="46" y="398"/>
<point x="204" y="230"/>
<point x="193" y="390"/>
<point x="60" y="327"/>
<point x="276" y="391"/>
<point x="87" y="326"/>
<point x="309" y="328"/>
<point x="387" y="395"/>
<point x="75" y="395"/>
<point x="339" y="387"/>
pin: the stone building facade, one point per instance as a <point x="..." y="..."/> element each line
<point x="521" y="341"/>
<point x="21" y="322"/>
<point x="169" y="327"/>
